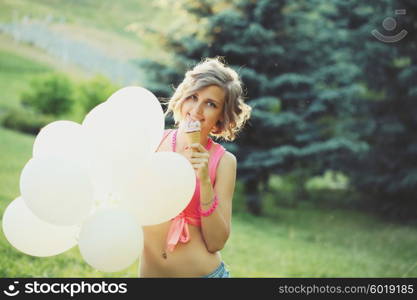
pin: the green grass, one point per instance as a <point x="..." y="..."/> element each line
<point x="288" y="242"/>
<point x="308" y="242"/>
<point x="15" y="151"/>
<point x="106" y="14"/>
<point x="19" y="64"/>
<point x="15" y="74"/>
<point x="102" y="23"/>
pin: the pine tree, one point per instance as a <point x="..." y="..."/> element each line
<point x="326" y="93"/>
<point x="300" y="80"/>
<point x="387" y="173"/>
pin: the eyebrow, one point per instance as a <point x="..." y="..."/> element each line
<point x="214" y="100"/>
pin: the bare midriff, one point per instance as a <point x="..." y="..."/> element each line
<point x="191" y="259"/>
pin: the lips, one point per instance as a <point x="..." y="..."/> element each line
<point x="193" y="118"/>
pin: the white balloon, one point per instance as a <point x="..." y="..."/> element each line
<point x="57" y="190"/>
<point x="124" y="131"/>
<point x="162" y="191"/>
<point x="117" y="149"/>
<point x="62" y="138"/>
<point x="110" y="240"/>
<point x="143" y="108"/>
<point x="32" y="236"/>
<point x="100" y="166"/>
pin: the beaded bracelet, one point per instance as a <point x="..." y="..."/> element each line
<point x="211" y="209"/>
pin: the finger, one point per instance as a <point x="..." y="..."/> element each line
<point x="199" y="154"/>
<point x="198" y="160"/>
<point x="198" y="147"/>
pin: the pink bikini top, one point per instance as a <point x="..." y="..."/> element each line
<point x="178" y="231"/>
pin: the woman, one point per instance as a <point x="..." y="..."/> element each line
<point x="189" y="244"/>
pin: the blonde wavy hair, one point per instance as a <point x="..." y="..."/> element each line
<point x="213" y="71"/>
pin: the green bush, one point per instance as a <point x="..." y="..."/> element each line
<point x="54" y="96"/>
<point x="25" y="120"/>
<point x="329" y="180"/>
<point x="50" y="94"/>
<point x="95" y="91"/>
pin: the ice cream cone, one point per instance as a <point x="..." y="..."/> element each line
<point x="192" y="131"/>
<point x="193" y="137"/>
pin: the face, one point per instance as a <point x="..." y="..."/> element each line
<point x="205" y="105"/>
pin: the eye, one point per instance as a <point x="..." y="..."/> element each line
<point x="192" y="97"/>
<point x="212" y="104"/>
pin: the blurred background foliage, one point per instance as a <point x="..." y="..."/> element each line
<point x="334" y="113"/>
<point x="327" y="95"/>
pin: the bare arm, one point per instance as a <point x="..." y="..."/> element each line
<point x="216" y="227"/>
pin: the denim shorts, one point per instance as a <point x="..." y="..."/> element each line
<point x="220" y="272"/>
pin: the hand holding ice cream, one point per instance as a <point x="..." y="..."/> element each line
<point x="198" y="155"/>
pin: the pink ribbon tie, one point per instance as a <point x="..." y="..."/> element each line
<point x="178" y="232"/>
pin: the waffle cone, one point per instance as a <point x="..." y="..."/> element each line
<point x="193" y="137"/>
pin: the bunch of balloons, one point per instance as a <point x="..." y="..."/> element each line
<point x="97" y="183"/>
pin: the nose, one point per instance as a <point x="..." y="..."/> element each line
<point x="197" y="112"/>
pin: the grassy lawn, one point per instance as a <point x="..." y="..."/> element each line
<point x="106" y="14"/>
<point x="100" y="25"/>
<point x="103" y="25"/>
<point x="308" y="242"/>
<point x="15" y="74"/>
<point x="303" y="242"/>
<point x="19" y="63"/>
<point x="107" y="24"/>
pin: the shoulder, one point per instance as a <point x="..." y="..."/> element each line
<point x="228" y="161"/>
<point x="226" y="173"/>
